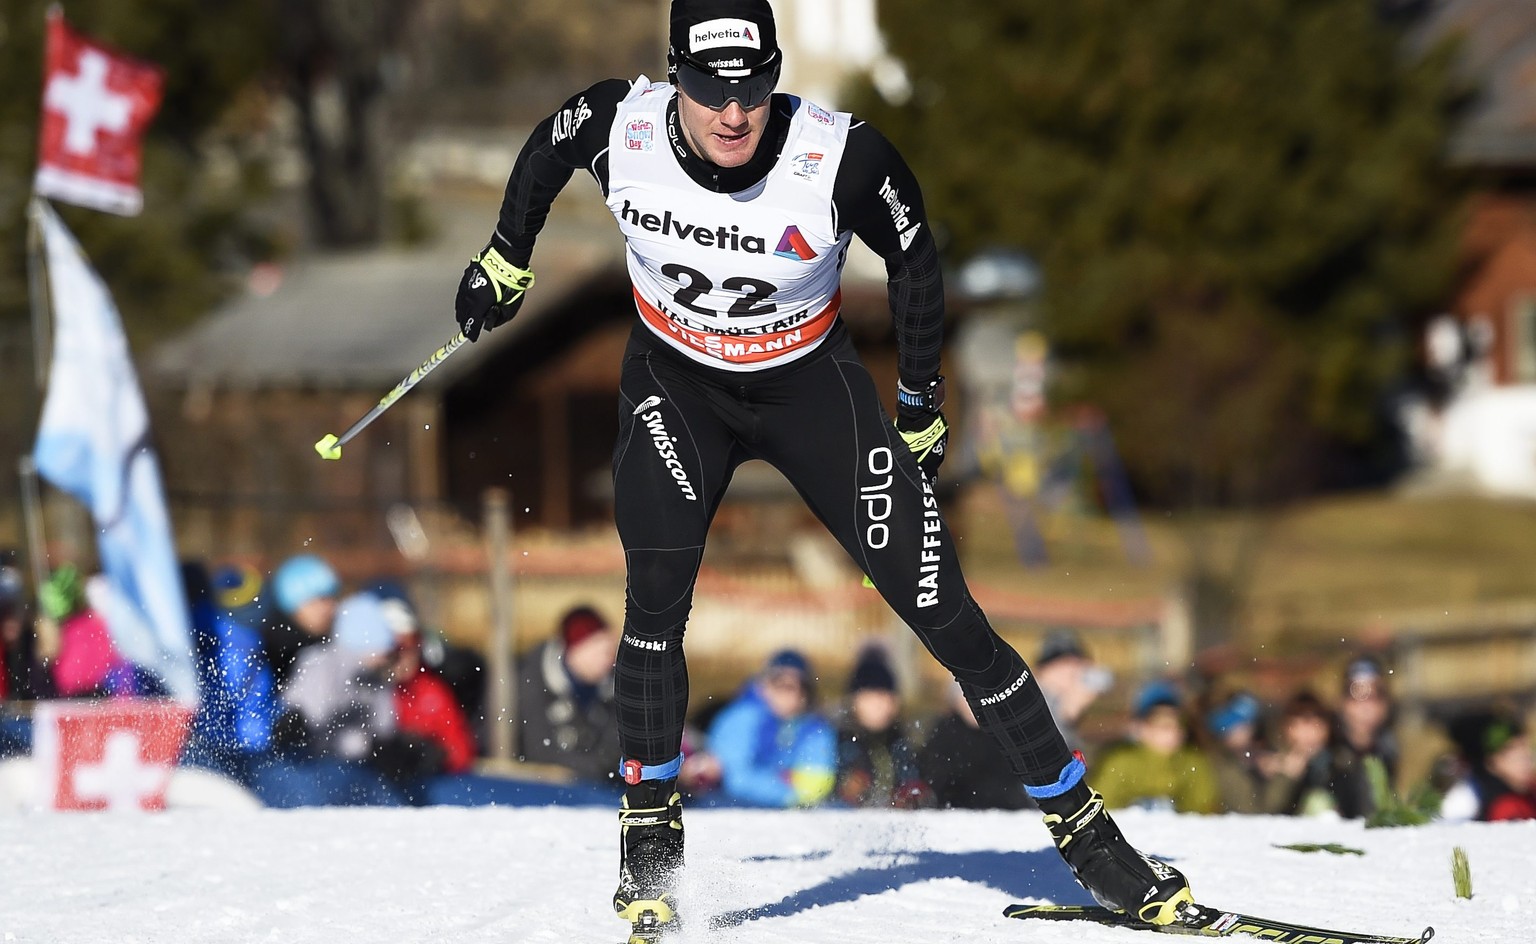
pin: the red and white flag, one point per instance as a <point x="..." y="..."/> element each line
<point x="112" y="754"/>
<point x="96" y="104"/>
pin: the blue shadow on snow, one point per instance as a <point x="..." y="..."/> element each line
<point x="1037" y="873"/>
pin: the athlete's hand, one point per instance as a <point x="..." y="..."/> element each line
<point x="490" y="293"/>
<point x="927" y="434"/>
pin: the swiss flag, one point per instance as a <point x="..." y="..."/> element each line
<point x="116" y="754"/>
<point x="96" y="104"/>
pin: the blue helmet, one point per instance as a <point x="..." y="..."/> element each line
<point x="301" y="579"/>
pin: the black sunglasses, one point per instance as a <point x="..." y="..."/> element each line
<point x="715" y="92"/>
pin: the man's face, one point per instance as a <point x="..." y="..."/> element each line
<point x="728" y="137"/>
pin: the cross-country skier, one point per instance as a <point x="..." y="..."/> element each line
<point x="737" y="205"/>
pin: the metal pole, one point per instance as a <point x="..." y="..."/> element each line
<point x="37" y="287"/>
<point x="37" y="554"/>
<point x="503" y="694"/>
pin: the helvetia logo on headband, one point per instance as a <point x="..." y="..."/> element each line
<point x="727" y="31"/>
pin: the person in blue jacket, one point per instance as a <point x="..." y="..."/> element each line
<point x="233" y="731"/>
<point x="774" y="750"/>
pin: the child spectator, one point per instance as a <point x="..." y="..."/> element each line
<point x="963" y="767"/>
<point x="340" y="688"/>
<point x="876" y="761"/>
<point x="424" y="704"/>
<point x="1235" y="756"/>
<point x="461" y="667"/>
<point x="1301" y="772"/>
<point x="566" y="699"/>
<point x="1157" y="768"/>
<point x="306" y="591"/>
<point x="88" y="663"/>
<point x="774" y="750"/>
<point x="1500" y="783"/>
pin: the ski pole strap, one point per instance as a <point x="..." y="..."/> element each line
<point x="633" y="771"/>
<point x="1071" y="776"/>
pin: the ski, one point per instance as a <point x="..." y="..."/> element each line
<point x="1209" y="922"/>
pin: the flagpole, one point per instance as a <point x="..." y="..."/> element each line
<point x="38" y="291"/>
<point x="31" y="500"/>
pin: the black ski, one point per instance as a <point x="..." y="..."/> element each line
<point x="1208" y="922"/>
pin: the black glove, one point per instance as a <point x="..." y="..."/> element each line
<point x="490" y="293"/>
<point x="920" y="421"/>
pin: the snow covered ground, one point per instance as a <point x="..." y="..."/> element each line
<point x="545" y="875"/>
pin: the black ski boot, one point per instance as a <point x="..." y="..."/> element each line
<point x="1117" y="875"/>
<point x="650" y="859"/>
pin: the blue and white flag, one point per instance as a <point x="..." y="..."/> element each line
<point x="94" y="444"/>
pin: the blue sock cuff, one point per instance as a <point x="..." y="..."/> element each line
<point x="632" y="771"/>
<point x="1071" y="776"/>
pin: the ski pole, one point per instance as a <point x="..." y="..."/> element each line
<point x="330" y="445"/>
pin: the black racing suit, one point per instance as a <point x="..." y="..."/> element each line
<point x="684" y="427"/>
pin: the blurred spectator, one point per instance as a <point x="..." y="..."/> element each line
<point x="876" y="761"/>
<point x="1365" y="731"/>
<point x="566" y="698"/>
<point x="461" y="667"/>
<point x="1236" y="753"/>
<point x="1070" y="681"/>
<point x="1157" y="768"/>
<point x="232" y="731"/>
<point x="1301" y="772"/>
<point x="700" y="773"/>
<point x="424" y="704"/>
<point x="306" y="591"/>
<point x="88" y="664"/>
<point x="242" y="594"/>
<point x="963" y="766"/>
<point x="1500" y="782"/>
<point x="340" y="690"/>
<point x="774" y="750"/>
<point x="23" y="677"/>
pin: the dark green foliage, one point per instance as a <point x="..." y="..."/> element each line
<point x="165" y="265"/>
<point x="1422" y="806"/>
<point x="1329" y="847"/>
<point x="1240" y="208"/>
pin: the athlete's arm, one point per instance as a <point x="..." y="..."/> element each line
<point x="574" y="137"/>
<point x="876" y="196"/>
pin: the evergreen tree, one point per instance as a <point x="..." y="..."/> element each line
<point x="1240" y="208"/>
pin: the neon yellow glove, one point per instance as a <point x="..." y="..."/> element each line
<point x="490" y="292"/>
<point x="927" y="435"/>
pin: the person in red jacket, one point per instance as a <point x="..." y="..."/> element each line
<point x="1500" y="781"/>
<point x="425" y="707"/>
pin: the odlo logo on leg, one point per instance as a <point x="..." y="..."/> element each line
<point x="663" y="442"/>
<point x="877" y="497"/>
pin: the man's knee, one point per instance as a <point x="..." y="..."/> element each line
<point x="660" y="587"/>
